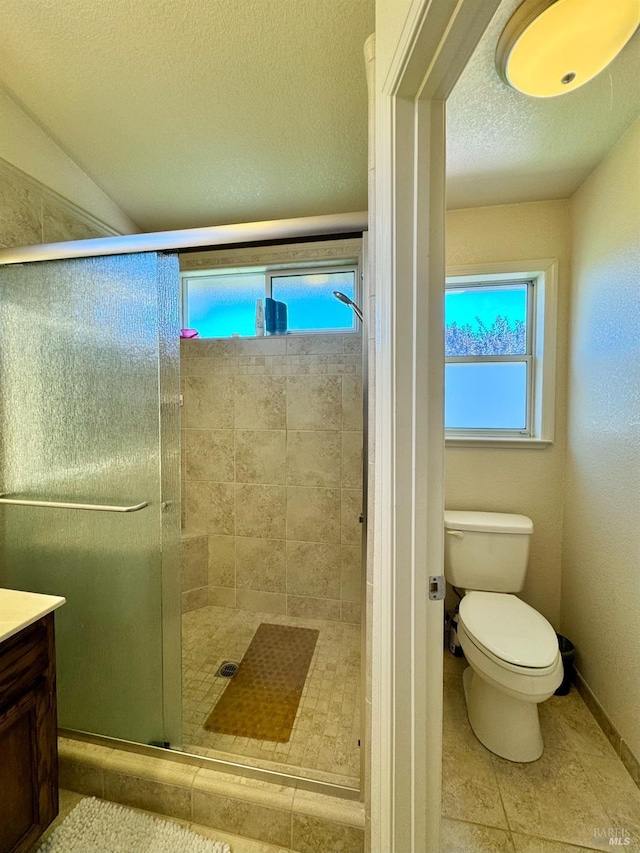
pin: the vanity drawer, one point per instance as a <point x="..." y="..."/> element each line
<point x="28" y="736"/>
<point x="23" y="658"/>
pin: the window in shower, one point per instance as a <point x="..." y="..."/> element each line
<point x="223" y="304"/>
<point x="219" y="306"/>
<point x="308" y="294"/>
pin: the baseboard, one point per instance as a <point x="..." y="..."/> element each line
<point x="613" y="735"/>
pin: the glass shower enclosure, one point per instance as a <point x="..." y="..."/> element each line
<point x="89" y="480"/>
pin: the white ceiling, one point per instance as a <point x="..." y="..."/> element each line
<point x="200" y="112"/>
<point x="205" y="112"/>
<point x="504" y="147"/>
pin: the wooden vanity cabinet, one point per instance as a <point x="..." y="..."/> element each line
<point x="28" y="736"/>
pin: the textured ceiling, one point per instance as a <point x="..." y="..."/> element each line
<point x="206" y="112"/>
<point x="200" y="112"/>
<point x="504" y="147"/>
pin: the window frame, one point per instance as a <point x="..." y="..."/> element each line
<point x="278" y="269"/>
<point x="208" y="273"/>
<point x="270" y="274"/>
<point x="513" y="358"/>
<point x="541" y="348"/>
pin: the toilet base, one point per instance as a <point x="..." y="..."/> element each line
<point x="507" y="726"/>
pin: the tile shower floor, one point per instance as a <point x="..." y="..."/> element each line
<point x="561" y="803"/>
<point x="324" y="740"/>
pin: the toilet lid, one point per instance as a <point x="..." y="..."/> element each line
<point x="509" y="629"/>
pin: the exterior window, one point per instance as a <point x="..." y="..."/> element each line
<point x="219" y="306"/>
<point x="222" y="304"/>
<point x="489" y="368"/>
<point x="310" y="301"/>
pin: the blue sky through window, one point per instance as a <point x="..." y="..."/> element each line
<point x="481" y="322"/>
<point x="219" y="306"/>
<point x="311" y="304"/>
<point x="486" y="321"/>
<point x="464" y="306"/>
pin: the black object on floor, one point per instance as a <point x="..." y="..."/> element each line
<point x="567" y="650"/>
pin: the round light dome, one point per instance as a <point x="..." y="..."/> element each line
<point x="550" y="47"/>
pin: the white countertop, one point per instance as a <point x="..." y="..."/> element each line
<point x="19" y="609"/>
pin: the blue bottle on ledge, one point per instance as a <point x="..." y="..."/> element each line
<point x="275" y="317"/>
<point x="269" y="315"/>
<point x="281" y="318"/>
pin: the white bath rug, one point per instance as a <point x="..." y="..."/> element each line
<point x="95" y="826"/>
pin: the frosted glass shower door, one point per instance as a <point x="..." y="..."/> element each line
<point x="89" y="373"/>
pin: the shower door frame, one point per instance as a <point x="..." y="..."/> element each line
<point x="161" y="502"/>
<point x="171" y="242"/>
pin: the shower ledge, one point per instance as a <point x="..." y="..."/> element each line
<point x="290" y="818"/>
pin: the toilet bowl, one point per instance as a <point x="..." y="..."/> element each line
<point x="514" y="664"/>
<point x="512" y="651"/>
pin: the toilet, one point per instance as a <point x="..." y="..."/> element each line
<point x="512" y="651"/>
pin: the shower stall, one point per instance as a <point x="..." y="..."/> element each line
<point x="91" y="498"/>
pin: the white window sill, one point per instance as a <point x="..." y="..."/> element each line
<point x="486" y="441"/>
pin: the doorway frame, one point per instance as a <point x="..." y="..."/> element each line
<point x="414" y="75"/>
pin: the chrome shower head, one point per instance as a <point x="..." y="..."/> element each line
<point x="344" y="298"/>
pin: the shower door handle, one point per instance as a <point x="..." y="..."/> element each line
<point x="4" y="499"/>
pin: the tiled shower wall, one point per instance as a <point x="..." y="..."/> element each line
<point x="272" y="474"/>
<point x="31" y="213"/>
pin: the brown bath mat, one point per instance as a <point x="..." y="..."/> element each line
<point x="261" y="700"/>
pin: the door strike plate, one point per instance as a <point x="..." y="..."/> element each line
<point x="437" y="587"/>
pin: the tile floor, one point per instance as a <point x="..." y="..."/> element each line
<point x="562" y="803"/>
<point x="69" y="799"/>
<point x="324" y="741"/>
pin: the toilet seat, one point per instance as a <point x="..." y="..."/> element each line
<point x="509" y="632"/>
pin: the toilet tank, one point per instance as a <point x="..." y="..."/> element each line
<point x="486" y="550"/>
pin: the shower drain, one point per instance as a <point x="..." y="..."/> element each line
<point x="228" y="669"/>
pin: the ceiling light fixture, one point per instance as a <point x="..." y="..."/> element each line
<point x="550" y="47"/>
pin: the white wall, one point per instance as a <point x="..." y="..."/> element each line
<point x="601" y="552"/>
<point x="26" y="146"/>
<point x="527" y="481"/>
